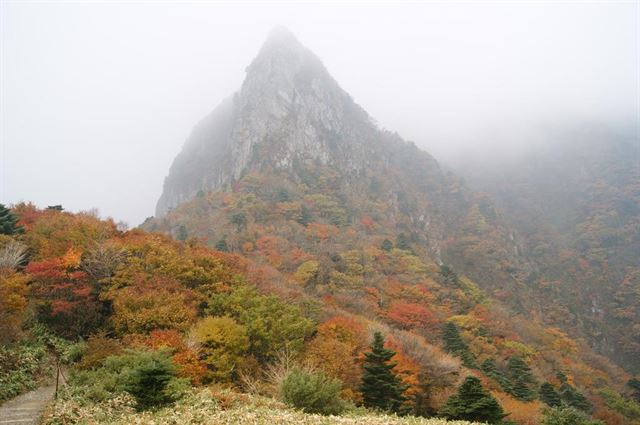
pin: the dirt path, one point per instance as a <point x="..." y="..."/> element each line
<point x="26" y="409"/>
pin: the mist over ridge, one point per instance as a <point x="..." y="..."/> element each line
<point x="474" y="81"/>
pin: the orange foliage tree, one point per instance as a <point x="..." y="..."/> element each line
<point x="13" y="303"/>
<point x="337" y="349"/>
<point x="161" y="303"/>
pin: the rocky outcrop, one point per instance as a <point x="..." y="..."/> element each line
<point x="289" y="109"/>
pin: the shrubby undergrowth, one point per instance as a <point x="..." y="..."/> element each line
<point x="148" y="376"/>
<point x="313" y="392"/>
<point x="214" y="406"/>
<point x="29" y="362"/>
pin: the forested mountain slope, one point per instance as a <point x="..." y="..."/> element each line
<point x="293" y="175"/>
<point x="575" y="202"/>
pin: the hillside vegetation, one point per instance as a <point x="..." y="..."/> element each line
<point x="576" y="205"/>
<point x="302" y="256"/>
<point x="218" y="407"/>
<point x="129" y="306"/>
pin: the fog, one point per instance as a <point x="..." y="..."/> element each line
<point x="98" y="98"/>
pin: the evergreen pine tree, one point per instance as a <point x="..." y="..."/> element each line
<point x="182" y="233"/>
<point x="402" y="242"/>
<point x="283" y="195"/>
<point x="522" y="379"/>
<point x="387" y="245"/>
<point x="305" y="216"/>
<point x="148" y="381"/>
<point x="561" y="377"/>
<point x="448" y="275"/>
<point x="574" y="398"/>
<point x="221" y="245"/>
<point x="549" y="395"/>
<point x="473" y="403"/>
<point x="380" y="387"/>
<point x="454" y="344"/>
<point x="8" y="222"/>
<point x="634" y="384"/>
<point x="490" y="369"/>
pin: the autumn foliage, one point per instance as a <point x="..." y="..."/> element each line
<point x="315" y="288"/>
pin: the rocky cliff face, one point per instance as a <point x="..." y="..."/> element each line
<point x="291" y="119"/>
<point x="289" y="110"/>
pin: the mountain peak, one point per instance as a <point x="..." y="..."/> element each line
<point x="288" y="111"/>
<point x="281" y="35"/>
<point x="281" y="58"/>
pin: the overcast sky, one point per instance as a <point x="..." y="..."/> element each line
<point x="98" y="98"/>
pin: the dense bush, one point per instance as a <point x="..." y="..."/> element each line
<point x="313" y="392"/>
<point x="152" y="382"/>
<point x="147" y="375"/>
<point x="626" y="407"/>
<point x="97" y="348"/>
<point x="24" y="364"/>
<point x="20" y="366"/>
<point x="271" y="323"/>
<point x="566" y="415"/>
<point x="222" y="343"/>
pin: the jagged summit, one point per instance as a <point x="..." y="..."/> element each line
<point x="289" y="106"/>
<point x="281" y="36"/>
<point x="289" y="115"/>
<point x="281" y="58"/>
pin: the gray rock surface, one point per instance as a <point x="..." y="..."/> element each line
<point x="289" y="110"/>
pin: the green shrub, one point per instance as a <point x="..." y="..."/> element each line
<point x="149" y="376"/>
<point x="626" y="407"/>
<point x="313" y="392"/>
<point x="75" y="352"/>
<point x="271" y="323"/>
<point x="24" y="364"/>
<point x="566" y="415"/>
<point x="20" y="367"/>
<point x="150" y="382"/>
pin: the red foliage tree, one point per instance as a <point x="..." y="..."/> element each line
<point x="409" y="315"/>
<point x="66" y="301"/>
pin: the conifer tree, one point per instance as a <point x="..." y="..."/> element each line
<point x="387" y="245"/>
<point x="549" y="395"/>
<point x="634" y="384"/>
<point x="221" y="245"/>
<point x="490" y="369"/>
<point x="574" y="398"/>
<point x="402" y="242"/>
<point x="380" y="387"/>
<point x="522" y="379"/>
<point x="8" y="222"/>
<point x="454" y="344"/>
<point x="305" y="216"/>
<point x="448" y="275"/>
<point x="148" y="382"/>
<point x="473" y="403"/>
<point x="182" y="233"/>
